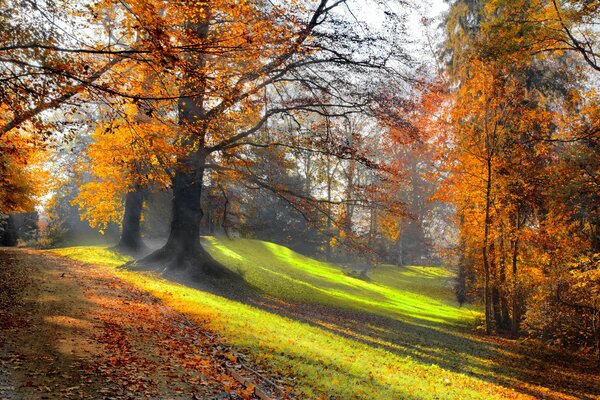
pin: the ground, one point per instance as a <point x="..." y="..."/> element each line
<point x="73" y="330"/>
<point x="309" y="330"/>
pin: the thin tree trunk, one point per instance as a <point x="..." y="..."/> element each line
<point x="131" y="233"/>
<point x="329" y="198"/>
<point x="210" y="227"/>
<point x="495" y="291"/>
<point x="596" y="331"/>
<point x="460" y="288"/>
<point x="400" y="244"/>
<point x="515" y="305"/>
<point x="350" y="186"/>
<point x="486" y="233"/>
<point x="370" y="236"/>
<point x="506" y="321"/>
<point x="225" y="211"/>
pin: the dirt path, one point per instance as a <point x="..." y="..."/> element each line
<point x="71" y="330"/>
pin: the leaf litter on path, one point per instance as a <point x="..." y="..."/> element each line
<point x="75" y="331"/>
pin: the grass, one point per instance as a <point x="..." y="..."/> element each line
<point x="416" y="293"/>
<point x="408" y="340"/>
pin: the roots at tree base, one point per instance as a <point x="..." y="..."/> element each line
<point x="194" y="261"/>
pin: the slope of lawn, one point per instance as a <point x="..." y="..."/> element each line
<point x="417" y="353"/>
<point x="420" y="294"/>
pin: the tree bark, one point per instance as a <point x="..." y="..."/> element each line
<point x="596" y="331"/>
<point x="329" y="198"/>
<point x="224" y="224"/>
<point x="495" y="290"/>
<point x="515" y="305"/>
<point x="131" y="233"/>
<point x="183" y="250"/>
<point x="486" y="233"/>
<point x="8" y="231"/>
<point x="506" y="322"/>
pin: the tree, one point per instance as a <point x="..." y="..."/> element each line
<point x="545" y="26"/>
<point x="220" y="98"/>
<point x="510" y="207"/>
<point x="128" y="156"/>
<point x="22" y="177"/>
<point x="217" y="61"/>
<point x="41" y="68"/>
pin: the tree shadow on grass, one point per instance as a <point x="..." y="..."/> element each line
<point x="454" y="348"/>
<point x="512" y="364"/>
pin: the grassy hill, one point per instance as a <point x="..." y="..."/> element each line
<point x="399" y="335"/>
<point x="415" y="293"/>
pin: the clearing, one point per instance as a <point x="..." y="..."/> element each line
<point x="320" y="333"/>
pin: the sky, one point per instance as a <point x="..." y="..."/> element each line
<point x="371" y="12"/>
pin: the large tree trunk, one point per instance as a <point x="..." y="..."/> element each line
<point x="131" y="233"/>
<point x="187" y="211"/>
<point x="183" y="250"/>
<point x="8" y="231"/>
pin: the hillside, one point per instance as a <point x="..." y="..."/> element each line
<point x="418" y="294"/>
<point x="399" y="334"/>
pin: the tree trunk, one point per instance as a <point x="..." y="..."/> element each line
<point x="209" y="225"/>
<point x="496" y="311"/>
<point x="495" y="290"/>
<point x="183" y="250"/>
<point x="515" y="304"/>
<point x="225" y="211"/>
<point x="596" y="331"/>
<point x="400" y="246"/>
<point x="328" y="236"/>
<point x="371" y="226"/>
<point x="486" y="264"/>
<point x="461" y="289"/>
<point x="516" y="317"/>
<point x="506" y="322"/>
<point x="8" y="231"/>
<point x="131" y="233"/>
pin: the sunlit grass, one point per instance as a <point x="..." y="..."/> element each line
<point x="326" y="363"/>
<point x="417" y="293"/>
<point x="94" y="255"/>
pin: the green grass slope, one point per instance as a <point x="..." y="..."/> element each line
<point x="398" y="336"/>
<point x="421" y="294"/>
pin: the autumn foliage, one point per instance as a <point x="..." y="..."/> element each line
<point x="256" y="114"/>
<point x="522" y="130"/>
